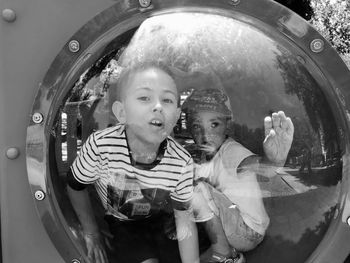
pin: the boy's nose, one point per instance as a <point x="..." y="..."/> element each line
<point x="206" y="131"/>
<point x="207" y="134"/>
<point x="158" y="107"/>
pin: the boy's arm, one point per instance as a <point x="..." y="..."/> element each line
<point x="82" y="207"/>
<point x="187" y="236"/>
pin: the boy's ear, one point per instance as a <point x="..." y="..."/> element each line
<point x="119" y="111"/>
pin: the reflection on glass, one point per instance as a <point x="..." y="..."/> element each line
<point x="259" y="76"/>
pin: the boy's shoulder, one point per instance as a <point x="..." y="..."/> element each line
<point x="230" y="143"/>
<point x="175" y="149"/>
<point x="116" y="131"/>
<point x="231" y="148"/>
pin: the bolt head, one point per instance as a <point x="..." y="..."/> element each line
<point x="74" y="46"/>
<point x="39" y="195"/>
<point x="317" y="45"/>
<point x="9" y="15"/>
<point x="12" y="153"/>
<point x="37" y="117"/>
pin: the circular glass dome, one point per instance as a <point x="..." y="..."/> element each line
<point x="261" y="66"/>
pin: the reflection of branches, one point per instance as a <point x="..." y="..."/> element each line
<point x="184" y="41"/>
<point x="304" y="137"/>
<point x="79" y="92"/>
<point x="298" y="81"/>
<point x="301" y="7"/>
<point x="250" y="138"/>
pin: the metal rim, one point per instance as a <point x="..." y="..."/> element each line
<point x="87" y="45"/>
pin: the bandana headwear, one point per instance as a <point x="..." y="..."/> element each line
<point x="212" y="100"/>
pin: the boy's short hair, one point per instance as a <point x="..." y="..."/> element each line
<point x="128" y="71"/>
<point x="212" y="100"/>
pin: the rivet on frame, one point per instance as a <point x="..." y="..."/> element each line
<point x="39" y="195"/>
<point x="74" y="46"/>
<point x="37" y="117"/>
<point x="9" y="15"/>
<point x="12" y="153"/>
<point x="86" y="56"/>
<point x="348" y="221"/>
<point x="235" y="2"/>
<point x="317" y="45"/>
<point x="145" y="3"/>
<point x="75" y="261"/>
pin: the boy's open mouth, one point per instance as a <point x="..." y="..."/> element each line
<point x="156" y="123"/>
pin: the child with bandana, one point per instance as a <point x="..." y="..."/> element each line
<point x="228" y="199"/>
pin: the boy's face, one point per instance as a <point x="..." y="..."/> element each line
<point x="149" y="105"/>
<point x="208" y="129"/>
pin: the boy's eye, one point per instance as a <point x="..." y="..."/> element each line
<point x="168" y="100"/>
<point x="214" y="124"/>
<point x="144" y="98"/>
<point x="195" y="127"/>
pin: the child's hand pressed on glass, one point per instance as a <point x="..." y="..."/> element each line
<point x="279" y="131"/>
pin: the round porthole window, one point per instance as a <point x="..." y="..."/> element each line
<point x="229" y="60"/>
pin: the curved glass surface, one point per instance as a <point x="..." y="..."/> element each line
<point x="259" y="75"/>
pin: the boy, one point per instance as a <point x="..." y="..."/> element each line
<point x="139" y="171"/>
<point x="228" y="198"/>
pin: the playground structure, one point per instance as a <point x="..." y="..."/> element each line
<point x="53" y="53"/>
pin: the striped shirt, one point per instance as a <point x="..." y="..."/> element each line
<point x="128" y="191"/>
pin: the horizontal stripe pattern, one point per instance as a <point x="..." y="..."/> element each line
<point x="105" y="156"/>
